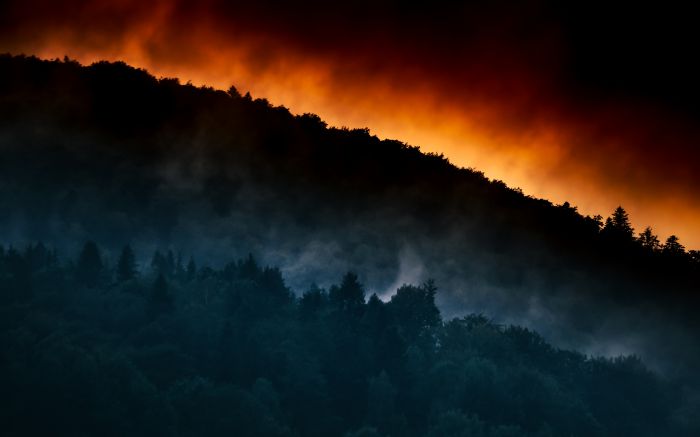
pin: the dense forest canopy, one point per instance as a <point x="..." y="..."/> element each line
<point x="109" y="153"/>
<point x="173" y="348"/>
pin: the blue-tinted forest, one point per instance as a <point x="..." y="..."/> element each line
<point x="174" y="348"/>
<point x="99" y="340"/>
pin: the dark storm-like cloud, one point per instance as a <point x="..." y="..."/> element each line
<point x="595" y="47"/>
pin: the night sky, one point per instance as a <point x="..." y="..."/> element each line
<point x="570" y="101"/>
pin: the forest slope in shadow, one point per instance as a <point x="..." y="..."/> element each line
<point x="109" y="153"/>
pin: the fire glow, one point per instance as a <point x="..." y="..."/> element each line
<point x="513" y="125"/>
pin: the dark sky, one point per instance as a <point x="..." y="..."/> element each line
<point x="581" y="100"/>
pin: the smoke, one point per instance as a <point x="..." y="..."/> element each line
<point x="221" y="185"/>
<point x="411" y="271"/>
<point x="531" y="93"/>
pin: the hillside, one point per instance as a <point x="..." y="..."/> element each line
<point x="109" y="153"/>
<point x="179" y="349"/>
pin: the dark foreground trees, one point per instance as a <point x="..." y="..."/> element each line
<point x="110" y="152"/>
<point x="232" y="351"/>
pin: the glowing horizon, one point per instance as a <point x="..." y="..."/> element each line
<point x="441" y="132"/>
<point x="511" y="126"/>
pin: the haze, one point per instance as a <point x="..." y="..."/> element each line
<point x="512" y="93"/>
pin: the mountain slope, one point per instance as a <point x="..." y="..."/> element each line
<point x="108" y="152"/>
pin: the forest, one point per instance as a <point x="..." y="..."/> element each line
<point x="174" y="348"/>
<point x="524" y="317"/>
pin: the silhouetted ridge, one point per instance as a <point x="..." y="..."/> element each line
<point x="110" y="153"/>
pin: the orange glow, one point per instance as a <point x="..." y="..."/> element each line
<point x="543" y="152"/>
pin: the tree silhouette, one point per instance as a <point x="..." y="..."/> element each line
<point x="180" y="271"/>
<point x="414" y="308"/>
<point x="159" y="263"/>
<point x="89" y="267"/>
<point x="126" y="266"/>
<point x="618" y="225"/>
<point x="350" y="294"/>
<point x="160" y="300"/>
<point x="191" y="270"/>
<point x="694" y="255"/>
<point x="648" y="240"/>
<point x="673" y="247"/>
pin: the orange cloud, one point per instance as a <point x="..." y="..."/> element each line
<point x="498" y="114"/>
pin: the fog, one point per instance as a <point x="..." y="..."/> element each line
<point x="229" y="176"/>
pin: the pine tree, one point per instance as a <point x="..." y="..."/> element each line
<point x="180" y="272"/>
<point x="170" y="264"/>
<point x="191" y="270"/>
<point x="618" y="230"/>
<point x="126" y="266"/>
<point x="89" y="268"/>
<point x="350" y="294"/>
<point x="620" y="223"/>
<point x="648" y="240"/>
<point x="673" y="246"/>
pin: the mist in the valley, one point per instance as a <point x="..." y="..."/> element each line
<point x="231" y="176"/>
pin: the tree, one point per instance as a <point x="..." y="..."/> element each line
<point x="159" y="263"/>
<point x="694" y="255"/>
<point x="311" y="303"/>
<point x="350" y="294"/>
<point x="126" y="266"/>
<point x="191" y="270"/>
<point x="249" y="268"/>
<point x="414" y="309"/>
<point x="598" y="220"/>
<point x="618" y="225"/>
<point x="170" y="263"/>
<point x="180" y="272"/>
<point x="672" y="246"/>
<point x="89" y="268"/>
<point x="160" y="300"/>
<point x="648" y="240"/>
<point x="620" y="218"/>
